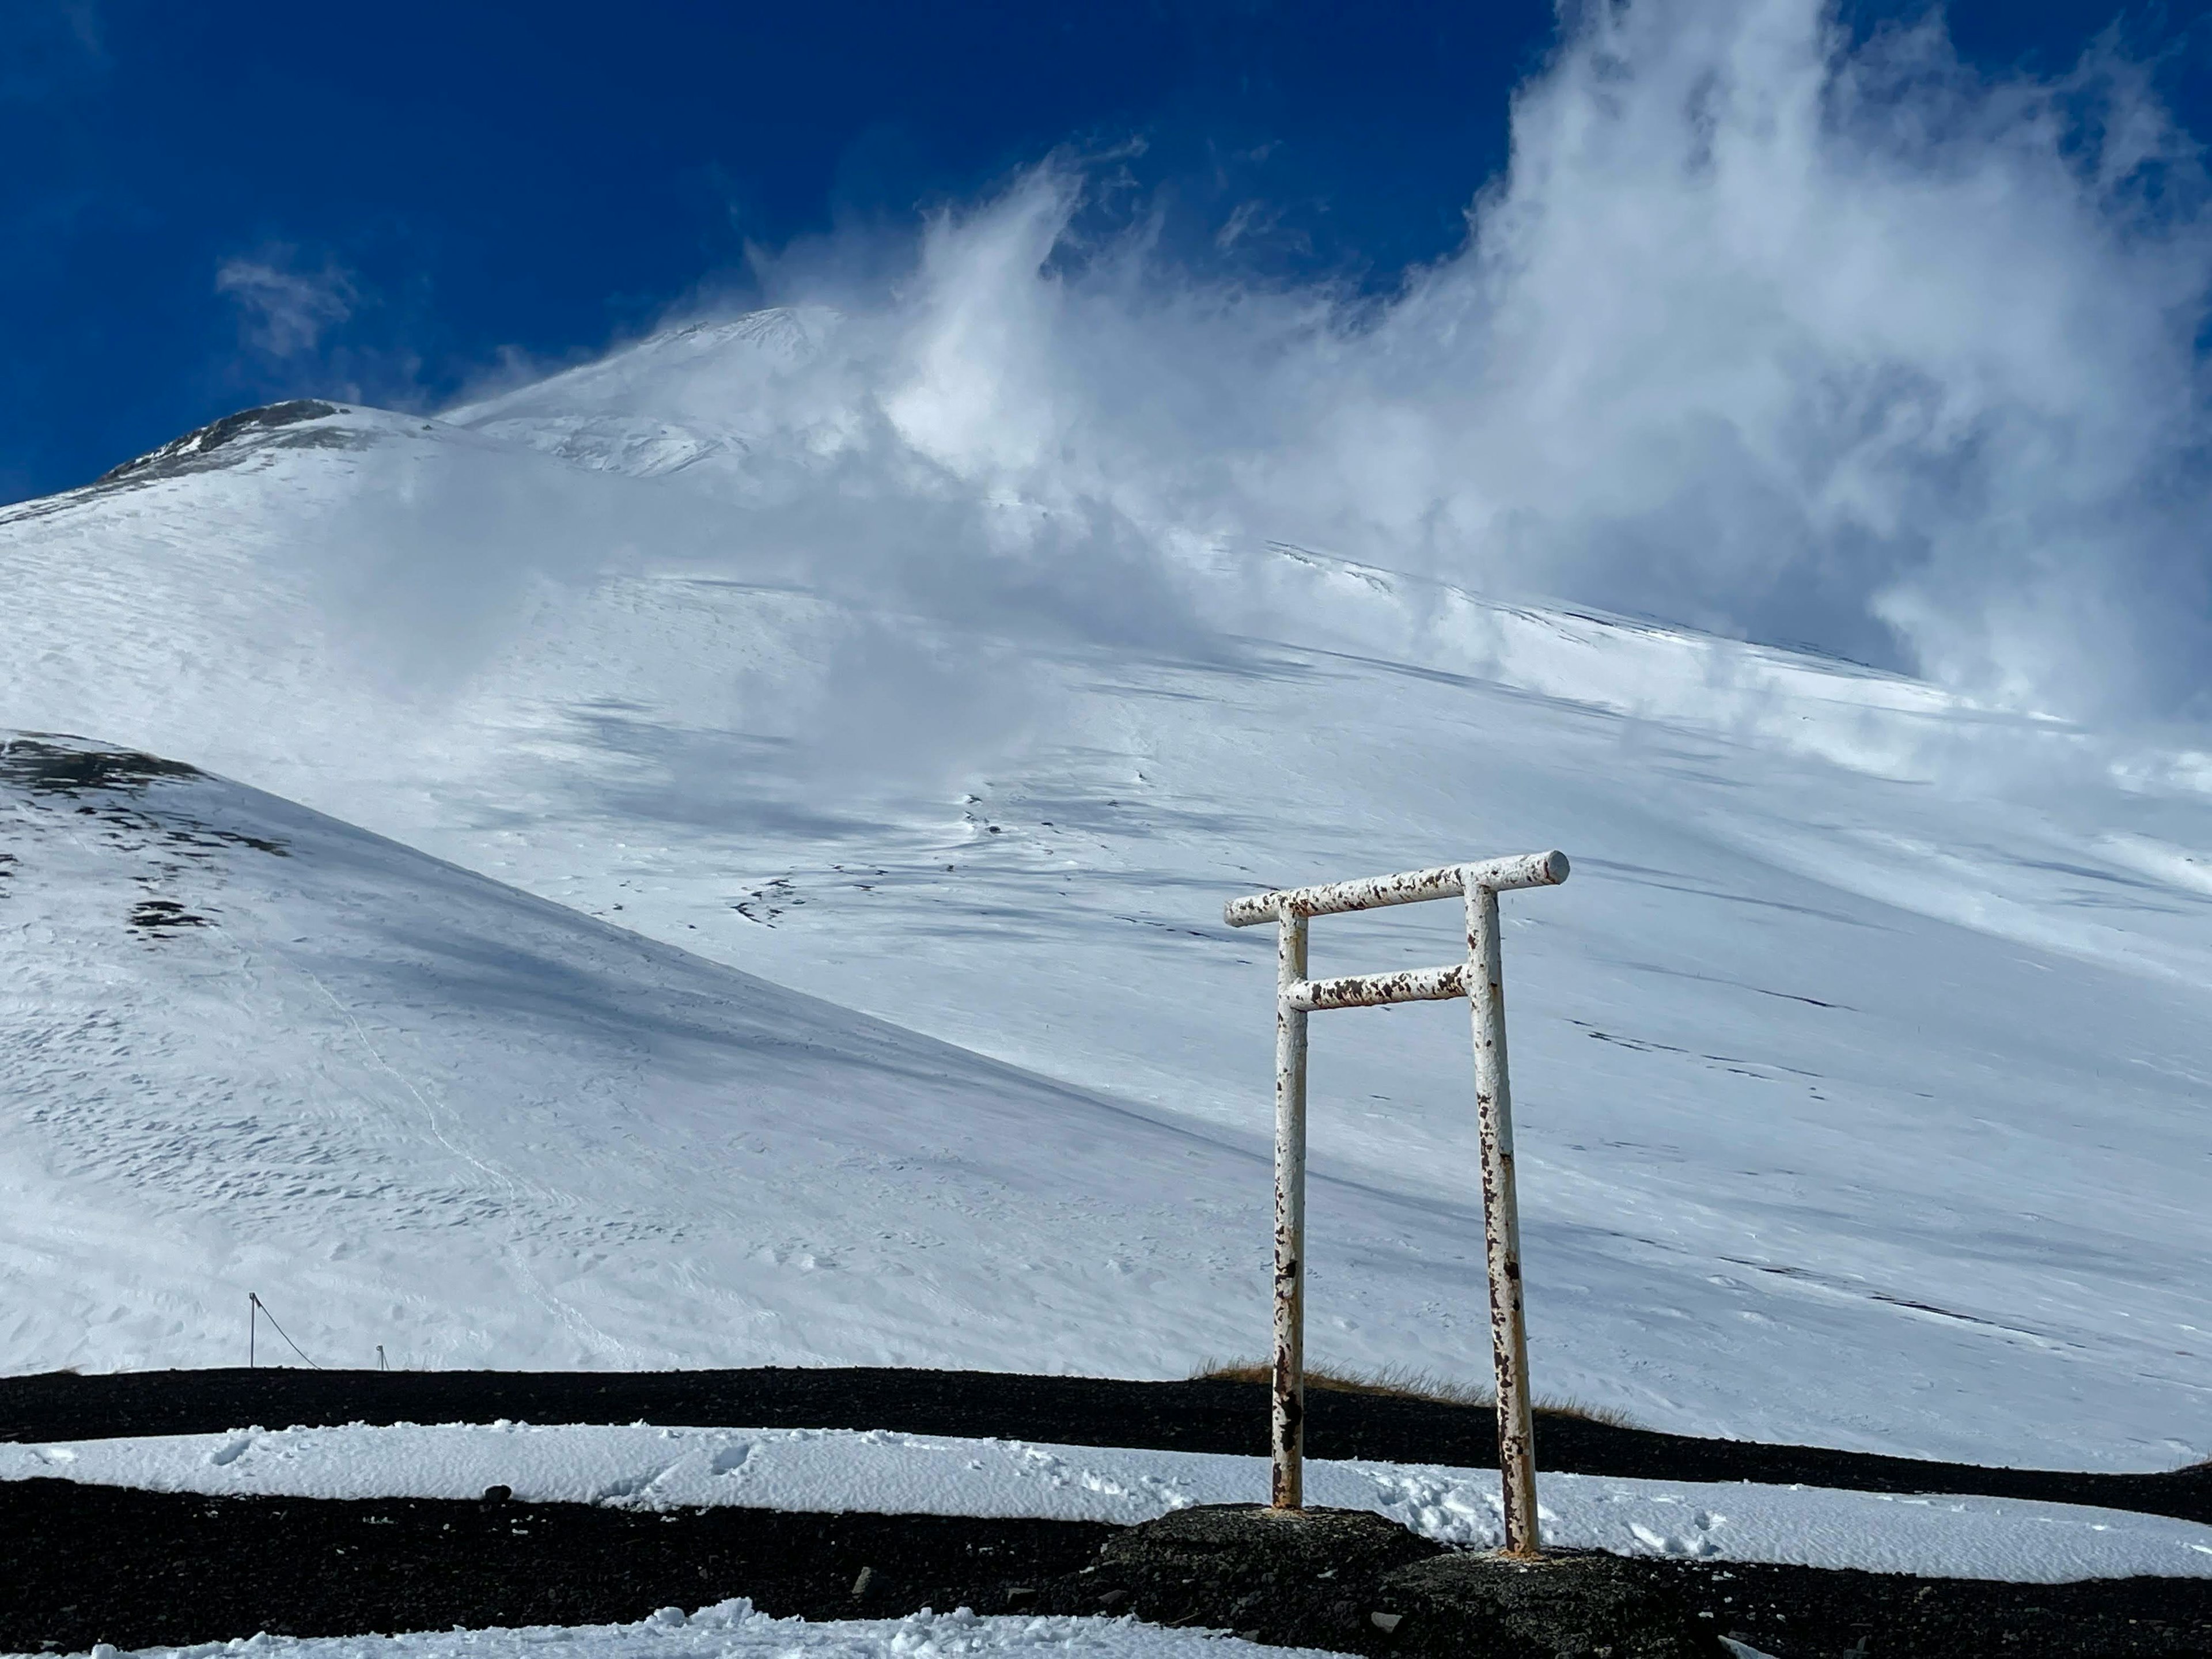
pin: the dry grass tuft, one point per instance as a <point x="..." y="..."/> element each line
<point x="1583" y="1411"/>
<point x="1398" y="1382"/>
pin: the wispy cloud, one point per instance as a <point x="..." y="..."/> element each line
<point x="285" y="311"/>
<point x="47" y="47"/>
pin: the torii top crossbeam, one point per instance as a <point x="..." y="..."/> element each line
<point x="1377" y="892"/>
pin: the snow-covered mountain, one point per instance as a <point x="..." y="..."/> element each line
<point x="250" y="1046"/>
<point x="1861" y="1067"/>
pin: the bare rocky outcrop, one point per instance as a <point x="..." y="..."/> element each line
<point x="226" y="441"/>
<point x="1356" y="1581"/>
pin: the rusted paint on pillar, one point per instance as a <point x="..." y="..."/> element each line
<point x="1288" y="1434"/>
<point x="1374" y="990"/>
<point x="1501" y="1224"/>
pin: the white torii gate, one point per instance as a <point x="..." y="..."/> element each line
<point x="1480" y="979"/>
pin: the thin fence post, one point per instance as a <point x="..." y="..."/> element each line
<point x="252" y="1318"/>
<point x="1501" y="1223"/>
<point x="1288" y="1422"/>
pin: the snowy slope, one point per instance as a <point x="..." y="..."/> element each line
<point x="249" y="1048"/>
<point x="671" y="403"/>
<point x="1861" y="1066"/>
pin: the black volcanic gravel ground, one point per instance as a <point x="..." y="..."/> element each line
<point x="80" y="1564"/>
<point x="83" y="1564"/>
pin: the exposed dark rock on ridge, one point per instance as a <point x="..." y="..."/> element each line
<point x="47" y="763"/>
<point x="196" y="450"/>
<point x="229" y="442"/>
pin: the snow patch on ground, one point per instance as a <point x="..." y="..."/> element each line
<point x="880" y="1472"/>
<point x="732" y="1630"/>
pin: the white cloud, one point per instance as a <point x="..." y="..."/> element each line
<point x="284" y="310"/>
<point x="1761" y="330"/>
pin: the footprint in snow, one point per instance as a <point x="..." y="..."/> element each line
<point x="1698" y="1544"/>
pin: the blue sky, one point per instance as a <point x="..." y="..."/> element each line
<point x="215" y="206"/>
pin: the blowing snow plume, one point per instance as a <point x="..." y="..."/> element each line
<point x="1763" y="330"/>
